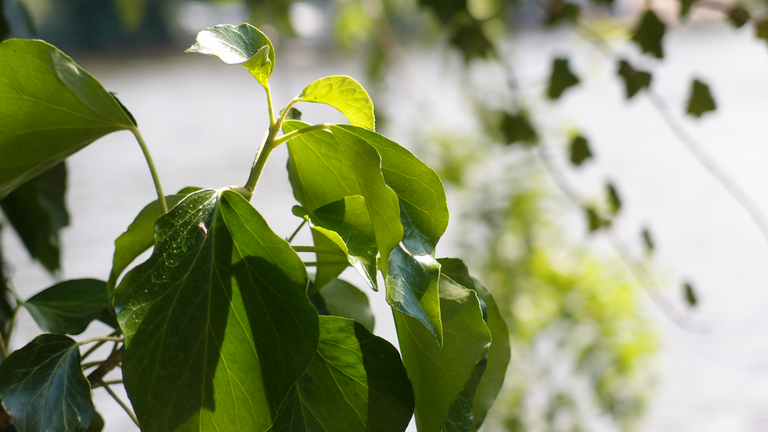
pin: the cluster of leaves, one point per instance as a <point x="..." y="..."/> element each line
<point x="222" y="322"/>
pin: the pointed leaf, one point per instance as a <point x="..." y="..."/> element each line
<point x="439" y="374"/>
<point x="614" y="202"/>
<point x="690" y="295"/>
<point x="217" y="322"/>
<point x="561" y="11"/>
<point x="51" y="108"/>
<point x="647" y="241"/>
<point x="701" y="99"/>
<point x="561" y="79"/>
<point x="738" y="16"/>
<point x="412" y="283"/>
<point x="43" y="388"/>
<point x="356" y="382"/>
<point x="517" y="128"/>
<point x="634" y="80"/>
<point x="343" y="299"/>
<point x="579" y="150"/>
<point x="242" y="45"/>
<point x="68" y="307"/>
<point x="346" y="95"/>
<point x="649" y="34"/>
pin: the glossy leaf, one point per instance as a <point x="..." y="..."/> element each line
<point x="649" y="34"/>
<point x="634" y="80"/>
<point x="43" y="388"/>
<point x="51" y="108"/>
<point x="518" y="128"/>
<point x="647" y="241"/>
<point x="614" y="202"/>
<point x="690" y="294"/>
<point x="217" y="322"/>
<point x="356" y="382"/>
<point x="738" y="16"/>
<point x="242" y="45"/>
<point x="68" y="307"/>
<point x="346" y="95"/>
<point x="140" y="235"/>
<point x="701" y="100"/>
<point x="439" y="374"/>
<point x="7" y="302"/>
<point x="561" y="11"/>
<point x="561" y="79"/>
<point x="579" y="150"/>
<point x="343" y="299"/>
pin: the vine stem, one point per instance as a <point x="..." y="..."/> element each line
<point x="152" y="169"/>
<point x="101" y="338"/>
<point x="121" y="403"/>
<point x="293" y="236"/>
<point x="99" y="344"/>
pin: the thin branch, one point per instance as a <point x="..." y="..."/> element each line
<point x="89" y="365"/>
<point x="101" y="338"/>
<point x="99" y="344"/>
<point x="96" y="378"/>
<point x="297" y="132"/>
<point x="122" y="404"/>
<point x="293" y="236"/>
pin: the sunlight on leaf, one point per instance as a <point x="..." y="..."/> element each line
<point x="346" y="95"/>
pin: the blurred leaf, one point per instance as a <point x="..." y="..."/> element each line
<point x="356" y="382"/>
<point x="68" y="307"/>
<point x="293" y="114"/>
<point x="471" y="41"/>
<point x="579" y="150"/>
<point x="685" y="7"/>
<point x="517" y="128"/>
<point x="614" y="202"/>
<point x="5" y="28"/>
<point x="97" y="424"/>
<point x="761" y="29"/>
<point x="649" y="34"/>
<point x="43" y="388"/>
<point x="343" y="299"/>
<point x="701" y="99"/>
<point x="596" y="221"/>
<point x="690" y="295"/>
<point x="51" y="108"/>
<point x="7" y="302"/>
<point x="561" y="79"/>
<point x="346" y="95"/>
<point x="561" y="11"/>
<point x="648" y="241"/>
<point x="15" y="21"/>
<point x="242" y="45"/>
<point x="634" y="80"/>
<point x="446" y="10"/>
<point x="130" y="13"/>
<point x="738" y="16"/>
<point x="608" y="3"/>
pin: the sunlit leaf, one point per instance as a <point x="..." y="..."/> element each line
<point x="217" y="322"/>
<point x="242" y="45"/>
<point x="346" y="95"/>
<point x="614" y="201"/>
<point x="68" y="307"/>
<point x="356" y="382"/>
<point x="690" y="294"/>
<point x="701" y="100"/>
<point x="579" y="150"/>
<point x="561" y="11"/>
<point x="50" y="108"/>
<point x="517" y="128"/>
<point x="561" y="79"/>
<point x="738" y="16"/>
<point x="43" y="388"/>
<point x="647" y="241"/>
<point x="649" y="34"/>
<point x="634" y="80"/>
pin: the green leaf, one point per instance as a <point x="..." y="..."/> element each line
<point x="738" y="16"/>
<point x="634" y="80"/>
<point x="647" y="241"/>
<point x="412" y="283"/>
<point x="561" y="11"/>
<point x="68" y="307"/>
<point x="690" y="294"/>
<point x="439" y="374"/>
<point x="130" y="13"/>
<point x="685" y="7"/>
<point x="97" y="424"/>
<point x="518" y="128"/>
<point x="649" y="34"/>
<point x="43" y="388"/>
<point x="579" y="150"/>
<point x="51" y="108"/>
<point x="614" y="202"/>
<point x="356" y="382"/>
<point x="346" y="95"/>
<point x="140" y="235"/>
<point x="471" y="40"/>
<point x="343" y="299"/>
<point x="761" y="29"/>
<point x="701" y="99"/>
<point x="595" y="221"/>
<point x="217" y="322"/>
<point x="561" y="79"/>
<point x="242" y="45"/>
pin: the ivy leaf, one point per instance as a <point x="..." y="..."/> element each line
<point x="595" y="221"/>
<point x="51" y="108"/>
<point x="97" y="424"/>
<point x="242" y="45"/>
<point x="140" y="235"/>
<point x="579" y="150"/>
<point x="217" y="322"/>
<point x="356" y="382"/>
<point x="440" y="373"/>
<point x="343" y="299"/>
<point x="701" y="99"/>
<point x="738" y="16"/>
<point x="634" y="80"/>
<point x="517" y="128"/>
<point x="690" y="294"/>
<point x="685" y="7"/>
<point x="68" y="307"/>
<point x="561" y="79"/>
<point x="614" y="202"/>
<point x="649" y="33"/>
<point x="561" y="11"/>
<point x="346" y="95"/>
<point x="647" y="241"/>
<point x="42" y="386"/>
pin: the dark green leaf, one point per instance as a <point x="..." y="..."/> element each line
<point x="125" y="110"/>
<point x="517" y="128"/>
<point x="346" y="95"/>
<point x="614" y="202"/>
<point x="690" y="295"/>
<point x="761" y="30"/>
<point x="561" y="11"/>
<point x="97" y="424"/>
<point x="579" y="150"/>
<point x="634" y="80"/>
<point x="242" y="45"/>
<point x="471" y="40"/>
<point x="51" y="108"/>
<point x="647" y="241"/>
<point x="130" y="13"/>
<point x="7" y="303"/>
<point x="217" y="322"/>
<point x="445" y="10"/>
<point x="343" y="299"/>
<point x="685" y="7"/>
<point x="43" y="388"/>
<point x="738" y="16"/>
<point x="701" y="99"/>
<point x="293" y="114"/>
<point x="439" y="374"/>
<point x="595" y="221"/>
<point x="356" y="382"/>
<point x="5" y="28"/>
<point x="561" y="79"/>
<point x="68" y="307"/>
<point x="649" y="33"/>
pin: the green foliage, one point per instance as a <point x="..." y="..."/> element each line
<point x="561" y="79"/>
<point x="579" y="149"/>
<point x="346" y="95"/>
<point x="700" y="100"/>
<point x="647" y="241"/>
<point x="560" y="11"/>
<point x="68" y="307"/>
<point x="738" y="16"/>
<point x="649" y="34"/>
<point x="517" y="128"/>
<point x="690" y="294"/>
<point x="634" y="80"/>
<point x="614" y="202"/>
<point x="343" y="299"/>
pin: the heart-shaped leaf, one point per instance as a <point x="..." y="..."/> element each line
<point x="43" y="388"/>
<point x="346" y="95"/>
<point x="68" y="307"/>
<point x="242" y="45"/>
<point x="49" y="109"/>
<point x="217" y="322"/>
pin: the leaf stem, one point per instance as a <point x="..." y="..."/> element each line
<point x="95" y="347"/>
<point x="3" y="349"/>
<point x="290" y="239"/>
<point x="89" y="365"/>
<point x="12" y="326"/>
<point x="121" y="403"/>
<point x="318" y="250"/>
<point x="101" y="338"/>
<point x="301" y="131"/>
<point x="152" y="169"/>
<point x="271" y="107"/>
